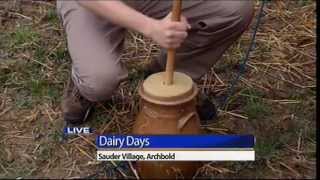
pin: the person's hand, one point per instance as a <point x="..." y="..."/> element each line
<point x="169" y="34"/>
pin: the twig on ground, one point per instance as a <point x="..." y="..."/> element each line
<point x="232" y="114"/>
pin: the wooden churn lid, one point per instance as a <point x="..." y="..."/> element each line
<point x="180" y="91"/>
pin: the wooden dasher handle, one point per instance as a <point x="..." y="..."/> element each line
<point x="176" y="14"/>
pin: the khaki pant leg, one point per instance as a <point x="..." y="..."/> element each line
<point x="94" y="46"/>
<point x="216" y="24"/>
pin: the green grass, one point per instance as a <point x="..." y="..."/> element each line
<point x="45" y="152"/>
<point x="24" y="103"/>
<point x="54" y="93"/>
<point x="38" y="87"/>
<point x="24" y="35"/>
<point x="5" y="39"/>
<point x="52" y="16"/>
<point x="40" y="54"/>
<point x="304" y="2"/>
<point x="42" y="90"/>
<point x="59" y="55"/>
<point x="28" y="76"/>
<point x="311" y="148"/>
<point x="135" y="75"/>
<point x="267" y="147"/>
<point x="56" y="136"/>
<point x="99" y="119"/>
<point x="255" y="107"/>
<point x="21" y="172"/>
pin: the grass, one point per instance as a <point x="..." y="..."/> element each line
<point x="276" y="96"/>
<point x="101" y="119"/>
<point x="45" y="152"/>
<point x="40" y="54"/>
<point x="305" y="2"/>
<point x="24" y="36"/>
<point x="24" y="103"/>
<point x="268" y="147"/>
<point x="52" y="17"/>
<point x="59" y="55"/>
<point x="255" y="107"/>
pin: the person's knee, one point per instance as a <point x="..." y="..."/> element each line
<point x="242" y="11"/>
<point x="103" y="85"/>
<point x="234" y="16"/>
<point x="100" y="85"/>
<point x="246" y="11"/>
<point x="227" y="21"/>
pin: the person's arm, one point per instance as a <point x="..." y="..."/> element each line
<point x="168" y="34"/>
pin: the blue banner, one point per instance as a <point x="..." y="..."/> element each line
<point x="175" y="141"/>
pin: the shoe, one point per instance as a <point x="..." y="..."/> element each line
<point x="76" y="108"/>
<point x="206" y="109"/>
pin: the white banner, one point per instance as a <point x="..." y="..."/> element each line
<point x="170" y="155"/>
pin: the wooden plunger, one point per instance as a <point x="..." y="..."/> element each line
<point x="168" y="106"/>
<point x="171" y="54"/>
